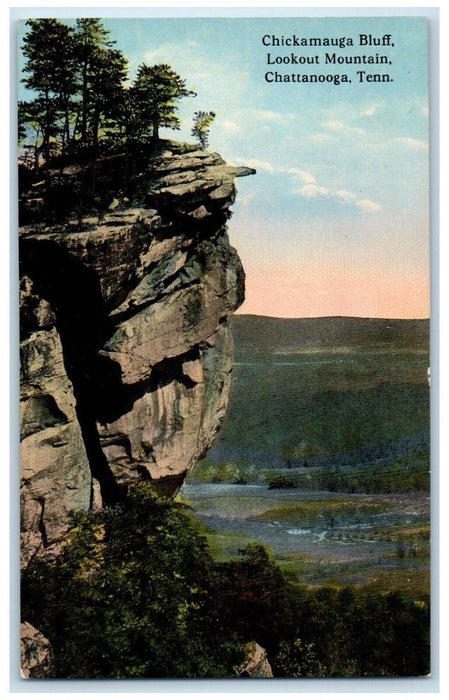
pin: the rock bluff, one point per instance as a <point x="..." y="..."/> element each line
<point x="126" y="350"/>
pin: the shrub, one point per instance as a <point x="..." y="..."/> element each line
<point x="133" y="596"/>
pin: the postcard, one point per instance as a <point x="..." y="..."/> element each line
<point x="224" y="347"/>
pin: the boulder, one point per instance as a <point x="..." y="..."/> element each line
<point x="36" y="654"/>
<point x="256" y="664"/>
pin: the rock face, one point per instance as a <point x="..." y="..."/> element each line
<point x="126" y="351"/>
<point x="256" y="664"/>
<point x="55" y="474"/>
<point x="36" y="654"/>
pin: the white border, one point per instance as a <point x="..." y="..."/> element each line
<point x="312" y="687"/>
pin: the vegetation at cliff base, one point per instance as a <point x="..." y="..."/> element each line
<point x="136" y="594"/>
<point x="132" y="596"/>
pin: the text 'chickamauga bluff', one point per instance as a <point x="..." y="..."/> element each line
<point x="341" y="42"/>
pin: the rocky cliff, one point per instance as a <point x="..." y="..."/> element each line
<point x="126" y="351"/>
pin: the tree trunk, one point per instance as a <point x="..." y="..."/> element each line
<point x="155" y="131"/>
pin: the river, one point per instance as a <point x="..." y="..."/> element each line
<point x="342" y="535"/>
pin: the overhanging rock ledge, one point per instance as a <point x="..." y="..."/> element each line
<point x="126" y="350"/>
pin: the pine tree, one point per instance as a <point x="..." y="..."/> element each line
<point x="154" y="94"/>
<point x="201" y="127"/>
<point x="102" y="71"/>
<point x="50" y="51"/>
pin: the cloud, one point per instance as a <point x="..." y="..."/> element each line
<point x="366" y="205"/>
<point x="313" y="190"/>
<point x="306" y="177"/>
<point x="266" y="115"/>
<point x="345" y="196"/>
<point x="301" y="175"/>
<point x="245" y="199"/>
<point x="165" y="51"/>
<point x="335" y="125"/>
<point x="187" y="59"/>
<point x="230" y="126"/>
<point x="413" y="144"/>
<point x="258" y="164"/>
<point x="371" y="109"/>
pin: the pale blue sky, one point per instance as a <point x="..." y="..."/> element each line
<point x="336" y="220"/>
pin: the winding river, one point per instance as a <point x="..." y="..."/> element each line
<point x="366" y="539"/>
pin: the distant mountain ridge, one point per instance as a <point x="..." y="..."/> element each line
<point x="270" y="334"/>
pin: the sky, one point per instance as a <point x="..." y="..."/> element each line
<point x="335" y="222"/>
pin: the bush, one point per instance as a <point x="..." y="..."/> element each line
<point x="280" y="481"/>
<point x="351" y="633"/>
<point x="133" y="596"/>
<point x="254" y="598"/>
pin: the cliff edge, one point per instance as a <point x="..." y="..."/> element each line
<point x="126" y="350"/>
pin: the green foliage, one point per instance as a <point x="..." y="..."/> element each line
<point x="201" y="127"/>
<point x="348" y="633"/>
<point x="154" y="95"/>
<point x="403" y="474"/>
<point x="102" y="71"/>
<point x="231" y="472"/>
<point x="83" y="113"/>
<point x="254" y="597"/>
<point x="78" y="79"/>
<point x="298" y="660"/>
<point x="133" y="596"/>
<point x="282" y="481"/>
<point x="327" y="512"/>
<point x="410" y="473"/>
<point x="50" y="50"/>
<point x="308" y="400"/>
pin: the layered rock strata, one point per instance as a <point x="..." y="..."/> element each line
<point x="126" y="351"/>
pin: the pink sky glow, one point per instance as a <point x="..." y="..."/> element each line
<point x="333" y="293"/>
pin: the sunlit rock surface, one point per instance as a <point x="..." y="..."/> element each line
<point x="126" y="352"/>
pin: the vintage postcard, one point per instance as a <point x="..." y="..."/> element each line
<point x="224" y="336"/>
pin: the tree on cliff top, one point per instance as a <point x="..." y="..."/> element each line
<point x="154" y="95"/>
<point x="102" y="72"/>
<point x="49" y="48"/>
<point x="82" y="112"/>
<point x="78" y="79"/>
<point x="201" y="127"/>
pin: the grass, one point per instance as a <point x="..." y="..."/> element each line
<point x="418" y="535"/>
<point x="410" y="473"/>
<point x="230" y="472"/>
<point x="397" y="570"/>
<point x="326" y="511"/>
<point x="408" y="576"/>
<point x="226" y="545"/>
<point x="415" y="582"/>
